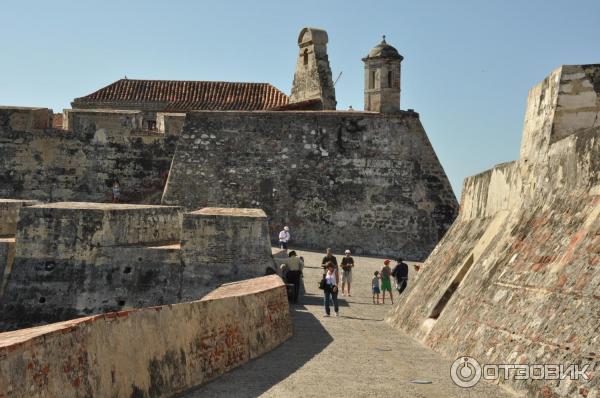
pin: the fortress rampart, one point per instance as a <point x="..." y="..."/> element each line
<point x="515" y="279"/>
<point x="357" y="180"/>
<point x="81" y="162"/>
<point x="372" y="178"/>
<point x="75" y="259"/>
<point x="149" y="352"/>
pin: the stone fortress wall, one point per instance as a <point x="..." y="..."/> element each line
<point x="82" y="162"/>
<point x="357" y="180"/>
<point x="9" y="216"/>
<point x="515" y="280"/>
<point x="382" y="166"/>
<point x="77" y="259"/>
<point x="151" y="352"/>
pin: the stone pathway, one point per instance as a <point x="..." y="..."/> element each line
<point x="354" y="355"/>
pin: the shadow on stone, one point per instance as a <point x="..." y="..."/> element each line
<point x="311" y="299"/>
<point x="257" y="376"/>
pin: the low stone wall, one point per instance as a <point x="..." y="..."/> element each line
<point x="515" y="279"/>
<point x="151" y="352"/>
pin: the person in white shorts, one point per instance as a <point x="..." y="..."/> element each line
<point x="347" y="265"/>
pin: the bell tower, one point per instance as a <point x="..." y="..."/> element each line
<point x="312" y="80"/>
<point x="382" y="79"/>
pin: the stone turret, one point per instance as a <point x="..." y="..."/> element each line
<point x="382" y="79"/>
<point x="312" y="80"/>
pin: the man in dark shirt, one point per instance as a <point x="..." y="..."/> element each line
<point x="329" y="257"/>
<point x="400" y="272"/>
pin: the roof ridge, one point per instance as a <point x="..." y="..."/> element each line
<point x="189" y="94"/>
<point x="187" y="81"/>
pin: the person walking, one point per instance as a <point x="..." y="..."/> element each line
<point x="331" y="288"/>
<point x="116" y="192"/>
<point x="400" y="273"/>
<point x="329" y="257"/>
<point x="284" y="238"/>
<point x="294" y="273"/>
<point x="375" y="287"/>
<point x="347" y="265"/>
<point x="386" y="282"/>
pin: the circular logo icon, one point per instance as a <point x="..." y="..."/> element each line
<point x="465" y="372"/>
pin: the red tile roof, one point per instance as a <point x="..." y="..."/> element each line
<point x="182" y="95"/>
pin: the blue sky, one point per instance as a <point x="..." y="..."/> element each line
<point x="467" y="69"/>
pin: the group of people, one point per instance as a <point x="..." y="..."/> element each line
<point x="399" y="274"/>
<point x="330" y="282"/>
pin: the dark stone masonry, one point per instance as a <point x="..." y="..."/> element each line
<point x="81" y="163"/>
<point x="364" y="181"/>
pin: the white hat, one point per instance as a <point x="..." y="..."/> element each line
<point x="286" y="228"/>
<point x="347" y="251"/>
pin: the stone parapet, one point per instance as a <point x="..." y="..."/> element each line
<point x="158" y="351"/>
<point x="26" y="119"/>
<point x="73" y="230"/>
<point x="223" y="244"/>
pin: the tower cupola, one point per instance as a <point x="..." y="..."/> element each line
<point x="382" y="79"/>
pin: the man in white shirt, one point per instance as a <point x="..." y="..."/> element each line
<point x="284" y="238"/>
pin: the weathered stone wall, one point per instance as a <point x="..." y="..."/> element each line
<point x="77" y="259"/>
<point x="219" y="245"/>
<point x="354" y="180"/>
<point x="515" y="279"/>
<point x="27" y="119"/>
<point x="170" y="123"/>
<point x="152" y="352"/>
<point x="73" y="230"/>
<point x="9" y="215"/>
<point x="106" y="124"/>
<point x="564" y="103"/>
<point x="81" y="164"/>
<point x="7" y="256"/>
